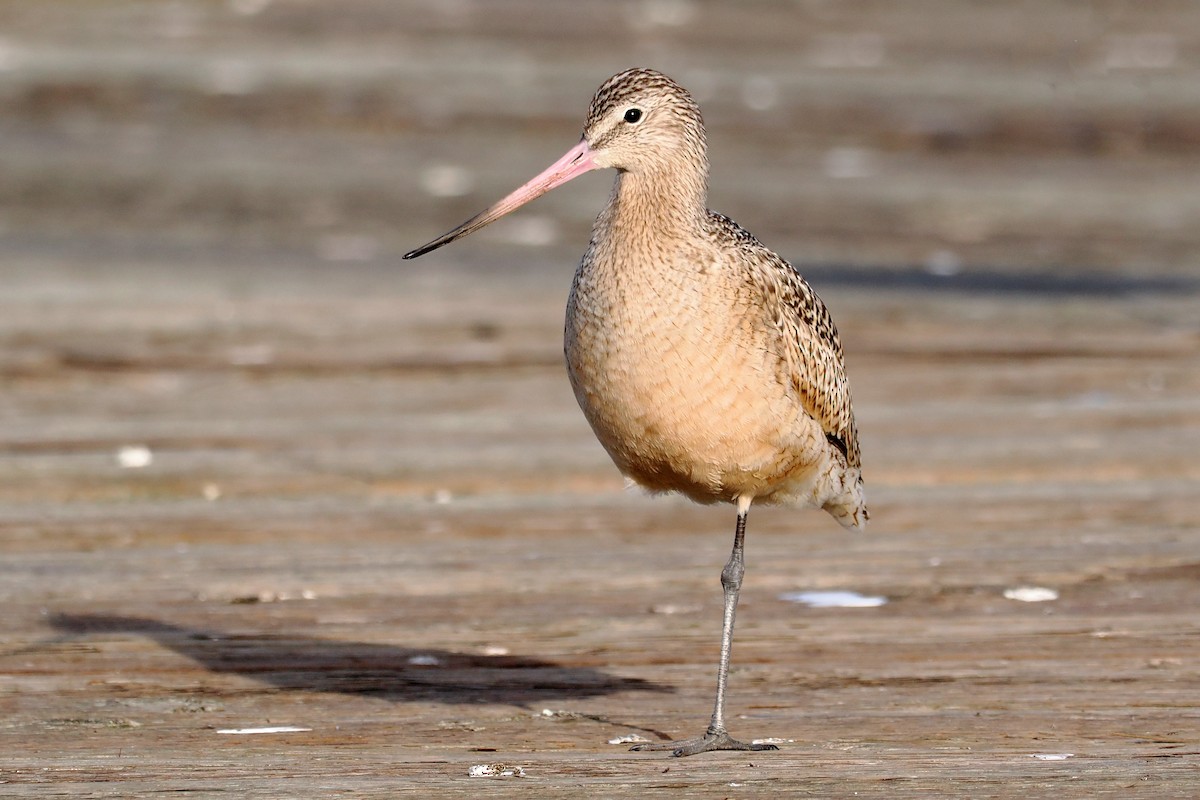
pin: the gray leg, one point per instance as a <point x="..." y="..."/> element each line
<point x="716" y="737"/>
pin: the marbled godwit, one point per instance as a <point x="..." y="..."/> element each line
<point x="704" y="362"/>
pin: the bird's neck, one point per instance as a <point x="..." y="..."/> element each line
<point x="656" y="205"/>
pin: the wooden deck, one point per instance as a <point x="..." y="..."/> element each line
<point x="256" y="473"/>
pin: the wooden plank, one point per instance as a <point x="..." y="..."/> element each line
<point x="433" y="570"/>
<point x="373" y="511"/>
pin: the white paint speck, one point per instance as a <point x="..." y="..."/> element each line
<point x="551" y="713"/>
<point x="211" y="492"/>
<point x="631" y="738"/>
<point x="134" y="456"/>
<point x="772" y="740"/>
<point x="272" y="729"/>
<point x="425" y="661"/>
<point x="671" y="609"/>
<point x="495" y="650"/>
<point x="496" y="770"/>
<point x="1031" y="594"/>
<point x="1053" y="756"/>
<point x="833" y="599"/>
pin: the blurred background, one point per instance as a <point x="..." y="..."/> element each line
<point x="230" y="411"/>
<point x="937" y="134"/>
<point x="203" y="205"/>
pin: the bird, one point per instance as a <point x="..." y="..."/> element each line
<point x="705" y="363"/>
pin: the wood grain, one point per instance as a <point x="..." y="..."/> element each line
<point x="373" y="509"/>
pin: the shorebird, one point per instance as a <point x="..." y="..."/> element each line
<point x="704" y="362"/>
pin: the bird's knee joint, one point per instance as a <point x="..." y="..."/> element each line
<point x="731" y="576"/>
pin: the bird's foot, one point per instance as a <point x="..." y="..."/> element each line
<point x="702" y="744"/>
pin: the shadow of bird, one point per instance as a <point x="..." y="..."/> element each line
<point x="391" y="672"/>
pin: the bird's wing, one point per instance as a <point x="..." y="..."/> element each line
<point x="808" y="341"/>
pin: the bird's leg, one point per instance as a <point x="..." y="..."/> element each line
<point x="716" y="737"/>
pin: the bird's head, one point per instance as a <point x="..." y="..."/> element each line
<point x="640" y="121"/>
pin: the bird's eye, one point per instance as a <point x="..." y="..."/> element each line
<point x="633" y="115"/>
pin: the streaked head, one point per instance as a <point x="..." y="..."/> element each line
<point x="639" y="121"/>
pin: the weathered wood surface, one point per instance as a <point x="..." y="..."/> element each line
<point x="374" y="511"/>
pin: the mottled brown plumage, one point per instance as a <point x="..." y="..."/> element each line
<point x="703" y="361"/>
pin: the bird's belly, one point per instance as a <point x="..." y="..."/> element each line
<point x="689" y="408"/>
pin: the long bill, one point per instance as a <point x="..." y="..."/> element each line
<point x="574" y="163"/>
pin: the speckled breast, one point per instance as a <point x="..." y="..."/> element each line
<point x="672" y="385"/>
